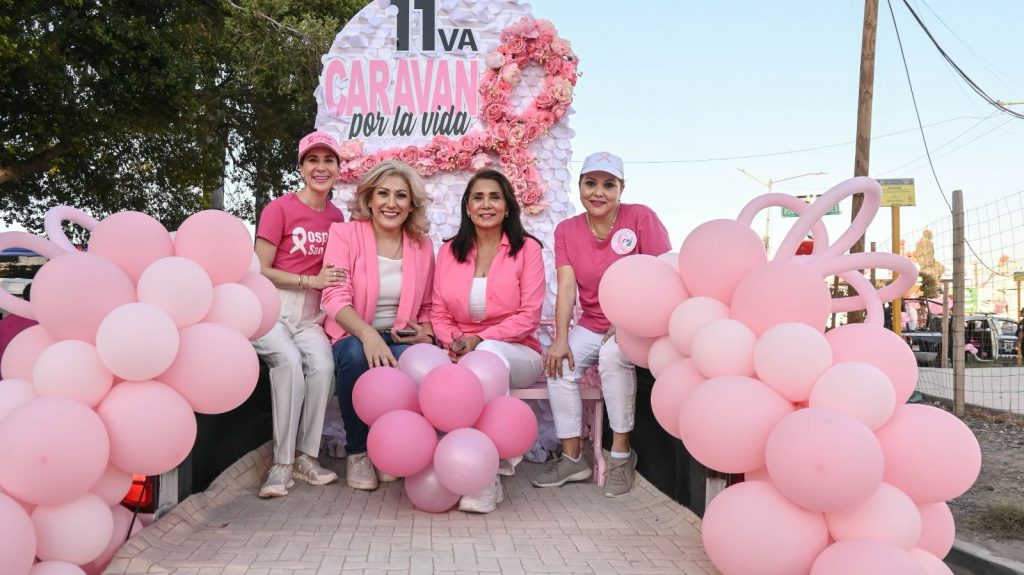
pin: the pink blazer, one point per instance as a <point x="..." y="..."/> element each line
<point x="515" y="295"/>
<point x="352" y="246"/>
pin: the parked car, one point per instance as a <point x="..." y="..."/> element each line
<point x="987" y="338"/>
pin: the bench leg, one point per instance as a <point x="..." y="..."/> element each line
<point x="596" y="431"/>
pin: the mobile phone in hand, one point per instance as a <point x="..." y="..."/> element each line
<point x="406" y="332"/>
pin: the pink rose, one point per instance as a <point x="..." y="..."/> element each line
<point x="479" y="162"/>
<point x="469" y="143"/>
<point x="561" y="89"/>
<point x="544" y="25"/>
<point x="501" y="131"/>
<point x="535" y="209"/>
<point x="520" y="187"/>
<point x="521" y="156"/>
<point x="409" y="155"/>
<point x="522" y="60"/>
<point x="516" y="135"/>
<point x="545" y="118"/>
<point x="560" y="110"/>
<point x="561" y="47"/>
<point x="494" y="60"/>
<point x="511" y="73"/>
<point x="351" y="149"/>
<point x="569" y="70"/>
<point x="494" y="112"/>
<point x="544" y="100"/>
<point x="553" y="66"/>
<point x="533" y="131"/>
<point x="516" y="46"/>
<point x="530" y="196"/>
<point x="425" y="166"/>
<point x="439" y="140"/>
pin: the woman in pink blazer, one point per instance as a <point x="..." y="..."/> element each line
<point x="384" y="307"/>
<point x="489" y="291"/>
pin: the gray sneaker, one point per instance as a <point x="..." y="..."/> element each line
<point x="279" y="481"/>
<point x="563" y="470"/>
<point x="309" y="470"/>
<point x="620" y="475"/>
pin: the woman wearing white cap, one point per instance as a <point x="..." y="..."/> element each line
<point x="585" y="246"/>
<point x="290" y="243"/>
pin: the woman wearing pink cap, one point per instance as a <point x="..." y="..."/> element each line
<point x="488" y="293"/>
<point x="585" y="246"/>
<point x="290" y="243"/>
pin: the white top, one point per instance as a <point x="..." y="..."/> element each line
<point x="390" y="288"/>
<point x="478" y="299"/>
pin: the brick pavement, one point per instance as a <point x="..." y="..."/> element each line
<point x="333" y="530"/>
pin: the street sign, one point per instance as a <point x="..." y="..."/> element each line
<point x="787" y="213"/>
<point x="897" y="192"/>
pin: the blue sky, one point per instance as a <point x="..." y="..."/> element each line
<point x="682" y="81"/>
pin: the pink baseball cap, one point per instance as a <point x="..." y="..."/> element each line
<point x="603" y="162"/>
<point x="318" y="140"/>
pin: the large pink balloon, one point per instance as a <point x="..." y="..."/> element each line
<point x="132" y="240"/>
<point x="72" y="369"/>
<point x="401" y="443"/>
<point x="180" y="287"/>
<point x="490" y="370"/>
<point x="19" y="359"/>
<point x="857" y="389"/>
<point x="72" y="294"/>
<point x="466" y="461"/>
<point x="690" y="316"/>
<point x="152" y="428"/>
<point x="635" y="348"/>
<point x="725" y="422"/>
<point x="237" y="307"/>
<point x="76" y="531"/>
<point x="879" y="347"/>
<point x="451" y="397"/>
<point x="381" y="390"/>
<point x="113" y="485"/>
<point x="510" y="424"/>
<point x="670" y="391"/>
<point x="270" y="301"/>
<point x="122" y="520"/>
<point x="216" y="368"/>
<point x="13" y="394"/>
<point x="217" y="241"/>
<point x="54" y="450"/>
<point x="663" y="353"/>
<point x="862" y="556"/>
<point x="56" y="568"/>
<point x="938" y="530"/>
<point x="420" y="359"/>
<point x="638" y="294"/>
<point x="824" y="460"/>
<point x="888" y="515"/>
<point x="937" y="469"/>
<point x="724" y="347"/>
<point x="932" y="564"/>
<point x="427" y="494"/>
<point x="789" y="357"/>
<point x="751" y="529"/>
<point x="137" y="341"/>
<point x="779" y="292"/>
<point x="716" y="255"/>
<point x="17" y="537"/>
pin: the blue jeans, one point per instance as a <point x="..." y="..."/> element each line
<point x="349" y="364"/>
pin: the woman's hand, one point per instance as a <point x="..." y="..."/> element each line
<point x="329" y="276"/>
<point x="421" y="335"/>
<point x="378" y="353"/>
<point x="468" y="344"/>
<point x="608" y="335"/>
<point x="556" y="354"/>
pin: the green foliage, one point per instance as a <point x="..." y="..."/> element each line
<point x="1005" y="521"/>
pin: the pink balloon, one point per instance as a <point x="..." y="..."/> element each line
<point x="55" y="449"/>
<point x="451" y="397"/>
<point x="137" y="341"/>
<point x="217" y="241"/>
<point x="76" y="531"/>
<point x="73" y="292"/>
<point x="56" y="568"/>
<point x="641" y="307"/>
<point x="662" y="354"/>
<point x="418" y="360"/>
<point x="725" y="422"/>
<point x="13" y="394"/>
<point x="401" y="443"/>
<point x="857" y="389"/>
<point x="670" y="390"/>
<point x="122" y="520"/>
<point x="427" y="494"/>
<point x="180" y="287"/>
<point x="216" y="368"/>
<point x="888" y="515"/>
<point x="19" y="359"/>
<point x="270" y="301"/>
<point x="510" y="424"/>
<point x="17" y="537"/>
<point x="671" y="258"/>
<point x="715" y="257"/>
<point x="932" y="564"/>
<point x="151" y="427"/>
<point x="237" y="307"/>
<point x="751" y="529"/>
<point x="381" y="390"/>
<point x="757" y="475"/>
<point x="824" y="460"/>
<point x="635" y="348"/>
<point x="490" y="370"/>
<point x="466" y="461"/>
<point x="690" y="316"/>
<point x="938" y="530"/>
<point x="861" y="556"/>
<point x="132" y="240"/>
<point x="879" y="347"/>
<point x="789" y="357"/>
<point x="724" y="347"/>
<point x="72" y="369"/>
<point x="113" y="485"/>
<point x="942" y="467"/>
<point x="780" y="292"/>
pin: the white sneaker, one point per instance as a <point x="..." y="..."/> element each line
<point x="278" y="482"/>
<point x="309" y="470"/>
<point x="485" y="501"/>
<point x="385" y="477"/>
<point x="507" y="467"/>
<point x="359" y="472"/>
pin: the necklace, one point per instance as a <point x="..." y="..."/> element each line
<point x="593" y="229"/>
<point x="398" y="250"/>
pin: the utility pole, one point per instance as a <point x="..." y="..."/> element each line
<point x="768" y="184"/>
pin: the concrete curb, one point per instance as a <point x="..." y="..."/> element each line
<point x="969" y="559"/>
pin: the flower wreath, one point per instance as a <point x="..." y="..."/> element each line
<point x="507" y="134"/>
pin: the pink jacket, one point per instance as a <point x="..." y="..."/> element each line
<point x="515" y="295"/>
<point x="352" y="246"/>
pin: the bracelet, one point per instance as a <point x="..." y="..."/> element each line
<point x="302" y="281"/>
<point x="433" y="340"/>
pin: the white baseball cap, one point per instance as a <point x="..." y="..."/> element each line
<point x="603" y="162"/>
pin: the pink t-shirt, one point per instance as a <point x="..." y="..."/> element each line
<point x="637" y="230"/>
<point x="298" y="231"/>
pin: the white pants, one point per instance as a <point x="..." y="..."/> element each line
<point x="524" y="364"/>
<point x="301" y="373"/>
<point x="618" y="384"/>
